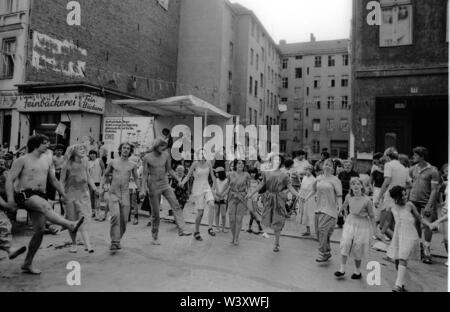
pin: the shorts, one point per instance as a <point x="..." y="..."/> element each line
<point x="21" y="197"/>
<point x="201" y="201"/>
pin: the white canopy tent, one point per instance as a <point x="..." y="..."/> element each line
<point x="178" y="110"/>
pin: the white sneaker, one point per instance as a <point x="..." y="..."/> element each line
<point x="265" y="235"/>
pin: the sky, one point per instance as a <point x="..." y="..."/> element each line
<point x="295" y="20"/>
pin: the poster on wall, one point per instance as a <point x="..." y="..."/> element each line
<point x="396" y="27"/>
<point x="138" y="131"/>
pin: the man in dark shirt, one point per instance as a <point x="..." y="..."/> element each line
<point x="345" y="177"/>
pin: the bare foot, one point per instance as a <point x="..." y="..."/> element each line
<point x="30" y="270"/>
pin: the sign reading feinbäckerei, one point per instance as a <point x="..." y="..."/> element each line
<point x="61" y="102"/>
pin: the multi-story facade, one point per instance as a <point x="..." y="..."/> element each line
<point x="315" y="90"/>
<point x="400" y="72"/>
<point x="58" y="52"/>
<point x="227" y="58"/>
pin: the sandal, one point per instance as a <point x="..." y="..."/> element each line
<point x="211" y="232"/>
<point x="198" y="237"/>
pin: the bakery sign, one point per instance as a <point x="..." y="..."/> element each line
<point x="58" y="102"/>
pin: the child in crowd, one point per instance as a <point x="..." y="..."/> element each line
<point x="181" y="192"/>
<point x="221" y="198"/>
<point x="405" y="238"/>
<point x="358" y="226"/>
<point x="306" y="215"/>
<point x="253" y="202"/>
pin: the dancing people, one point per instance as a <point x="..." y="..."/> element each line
<point x="275" y="183"/>
<point x="77" y="183"/>
<point x="328" y="190"/>
<point x="202" y="195"/>
<point x="31" y="172"/>
<point x="157" y="164"/>
<point x="306" y="215"/>
<point x="358" y="226"/>
<point x="221" y="199"/>
<point x="121" y="170"/>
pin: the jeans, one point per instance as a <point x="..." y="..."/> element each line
<point x="155" y="200"/>
<point x="119" y="210"/>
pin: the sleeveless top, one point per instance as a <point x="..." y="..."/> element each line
<point x="201" y="184"/>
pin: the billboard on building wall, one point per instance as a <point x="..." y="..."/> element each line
<point x="138" y="131"/>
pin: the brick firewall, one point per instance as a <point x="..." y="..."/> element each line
<point x="116" y="40"/>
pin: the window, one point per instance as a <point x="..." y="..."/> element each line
<point x="250" y="112"/>
<point x="9" y="6"/>
<point x="316" y="83"/>
<point x="318" y="61"/>
<point x="396" y="23"/>
<point x="306" y="133"/>
<point x="298" y="73"/>
<point x="331" y="61"/>
<point x="260" y="107"/>
<point x="317" y="102"/>
<point x="316" y="125"/>
<point x="9" y="50"/>
<point x="344" y="82"/>
<point x="345" y="60"/>
<point x="316" y="147"/>
<point x="283" y="126"/>
<point x="282" y="146"/>
<point x="250" y="89"/>
<point x="344" y="103"/>
<point x="307" y="112"/>
<point x="331" y="82"/>
<point x="307" y="71"/>
<point x="307" y="91"/>
<point x="285" y="63"/>
<point x="344" y="125"/>
<point x="252" y="54"/>
<point x="299" y="57"/>
<point x="230" y="81"/>
<point x="331" y="102"/>
<point x="285" y="83"/>
<point x="271" y="99"/>
<point x="330" y="125"/>
<point x="229" y="108"/>
<point x="263" y="55"/>
<point x="256" y="116"/>
<point x="268" y="97"/>
<point x="256" y="88"/>
<point x="257" y="61"/>
<point x="284" y="100"/>
<point x="231" y="50"/>
<point x="262" y="80"/>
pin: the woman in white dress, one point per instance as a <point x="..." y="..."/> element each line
<point x="202" y="195"/>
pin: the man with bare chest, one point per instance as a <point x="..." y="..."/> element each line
<point x="32" y="172"/>
<point x="157" y="164"/>
<point x="121" y="170"/>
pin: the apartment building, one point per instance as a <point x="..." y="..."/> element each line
<point x="228" y="58"/>
<point x="316" y="92"/>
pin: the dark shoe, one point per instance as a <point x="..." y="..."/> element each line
<point x="250" y="231"/>
<point x="14" y="254"/>
<point x="114" y="247"/>
<point x="136" y="222"/>
<point x="356" y="276"/>
<point x="211" y="232"/>
<point x="427" y="260"/>
<point x="276" y="248"/>
<point x="399" y="289"/>
<point x="149" y="223"/>
<point x="323" y="258"/>
<point x="339" y="274"/>
<point x="198" y="237"/>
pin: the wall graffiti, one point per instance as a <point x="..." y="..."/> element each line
<point x="58" y="56"/>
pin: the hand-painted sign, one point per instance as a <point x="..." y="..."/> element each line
<point x="61" y="102"/>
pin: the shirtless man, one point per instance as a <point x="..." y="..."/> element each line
<point x="157" y="164"/>
<point x="121" y="170"/>
<point x="31" y="173"/>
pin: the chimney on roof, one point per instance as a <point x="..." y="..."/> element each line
<point x="283" y="42"/>
<point x="313" y="38"/>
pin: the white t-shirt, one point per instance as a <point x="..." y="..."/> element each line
<point x="300" y="165"/>
<point x="397" y="172"/>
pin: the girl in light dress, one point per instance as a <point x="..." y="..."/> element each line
<point x="405" y="238"/>
<point x="202" y="194"/>
<point x="221" y="199"/>
<point x="359" y="225"/>
<point x="253" y="203"/>
<point x="306" y="216"/>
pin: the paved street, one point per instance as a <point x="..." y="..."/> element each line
<point x="182" y="264"/>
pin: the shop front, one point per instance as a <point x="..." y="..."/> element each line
<point x="66" y="118"/>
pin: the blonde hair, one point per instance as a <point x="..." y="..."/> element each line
<point x="68" y="156"/>
<point x="363" y="188"/>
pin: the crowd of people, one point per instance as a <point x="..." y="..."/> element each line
<point x="400" y="201"/>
